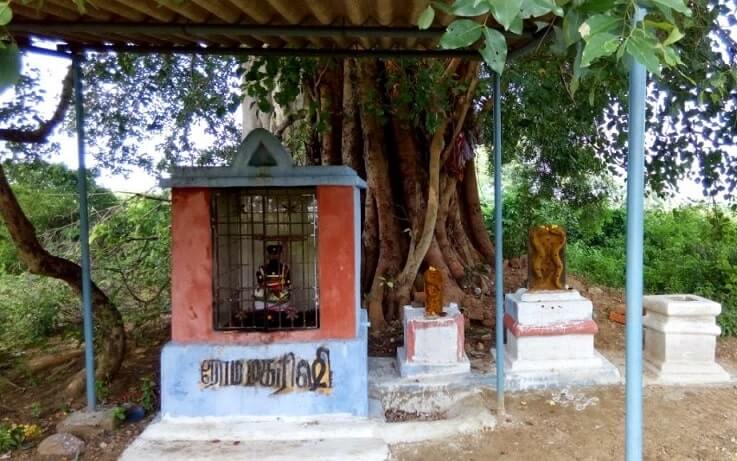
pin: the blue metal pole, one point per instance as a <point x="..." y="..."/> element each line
<point x="635" y="231"/>
<point x="498" y="243"/>
<point x="84" y="242"/>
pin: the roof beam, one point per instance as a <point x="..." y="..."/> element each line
<point x="47" y="28"/>
<point x="304" y="52"/>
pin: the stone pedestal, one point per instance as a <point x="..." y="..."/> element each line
<point x="550" y="341"/>
<point x="432" y="345"/>
<point x="680" y="339"/>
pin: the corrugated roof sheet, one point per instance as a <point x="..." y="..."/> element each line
<point x="367" y="24"/>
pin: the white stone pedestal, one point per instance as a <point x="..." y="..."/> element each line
<point x="550" y="341"/>
<point x="432" y="345"/>
<point x="680" y="339"/>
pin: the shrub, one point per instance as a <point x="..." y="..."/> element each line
<point x="12" y="436"/>
<point x="686" y="250"/>
<point x="33" y="308"/>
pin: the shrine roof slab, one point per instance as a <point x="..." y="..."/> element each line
<point x="262" y="161"/>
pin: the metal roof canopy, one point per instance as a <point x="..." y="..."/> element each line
<point x="230" y="26"/>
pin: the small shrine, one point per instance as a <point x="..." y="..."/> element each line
<point x="266" y="317"/>
<point x="549" y="327"/>
<point x="434" y="337"/>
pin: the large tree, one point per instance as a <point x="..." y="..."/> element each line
<point x="39" y="261"/>
<point x="405" y="125"/>
<point x="409" y="126"/>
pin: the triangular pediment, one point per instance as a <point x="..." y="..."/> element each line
<point x="262" y="161"/>
<point x="261" y="149"/>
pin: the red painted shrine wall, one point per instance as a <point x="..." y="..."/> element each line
<point x="191" y="265"/>
<point x="192" y="297"/>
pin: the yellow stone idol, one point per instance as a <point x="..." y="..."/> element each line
<point x="433" y="292"/>
<point x="547" y="245"/>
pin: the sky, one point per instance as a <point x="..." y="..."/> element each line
<point x="139" y="180"/>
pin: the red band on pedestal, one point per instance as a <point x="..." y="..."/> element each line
<point x="574" y="327"/>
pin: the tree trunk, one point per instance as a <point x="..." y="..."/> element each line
<point x="351" y="142"/>
<point x="416" y="214"/>
<point x="329" y="89"/>
<point x="108" y="321"/>
<point x="418" y="251"/>
<point x="377" y="174"/>
<point x="452" y="258"/>
<point x="369" y="242"/>
<point x="475" y="219"/>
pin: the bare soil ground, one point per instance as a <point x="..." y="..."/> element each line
<point x="26" y="398"/>
<point x="680" y="423"/>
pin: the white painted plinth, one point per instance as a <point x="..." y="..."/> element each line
<point x="550" y="341"/>
<point x="432" y="345"/>
<point x="680" y="339"/>
<point x="569" y="351"/>
<point x="547" y="307"/>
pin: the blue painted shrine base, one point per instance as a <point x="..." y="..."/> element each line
<point x="279" y="379"/>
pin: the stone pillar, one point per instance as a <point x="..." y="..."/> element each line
<point x="680" y="339"/>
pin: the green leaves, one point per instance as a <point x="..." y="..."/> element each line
<point x="599" y="29"/>
<point x="571" y="23"/>
<point x="641" y="46"/>
<point x="495" y="50"/>
<point x="674" y="36"/>
<point x="602" y="38"/>
<point x="599" y="45"/>
<point x="597" y="24"/>
<point x="505" y="11"/>
<point x="10" y="62"/>
<point x="10" y="66"/>
<point x="469" y="8"/>
<point x="537" y="8"/>
<point x="675" y="5"/>
<point x="597" y="6"/>
<point x="511" y="13"/>
<point x="426" y="18"/>
<point x="6" y="14"/>
<point x="461" y="33"/>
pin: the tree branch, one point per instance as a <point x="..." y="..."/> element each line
<point x="286" y="123"/>
<point x="41" y="134"/>
<point x="147" y="196"/>
<point x="39" y="261"/>
<point x="462" y="107"/>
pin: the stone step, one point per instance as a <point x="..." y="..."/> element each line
<point x="324" y="438"/>
<point x="333" y="449"/>
<point x="263" y="430"/>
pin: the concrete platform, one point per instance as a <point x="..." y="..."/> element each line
<point x="422" y="370"/>
<point x="324" y="438"/>
<point x="537" y="375"/>
<point x="304" y="450"/>
<point x="652" y="378"/>
<point x="688" y="373"/>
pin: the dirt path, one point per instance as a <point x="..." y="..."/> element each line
<point x="680" y="424"/>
